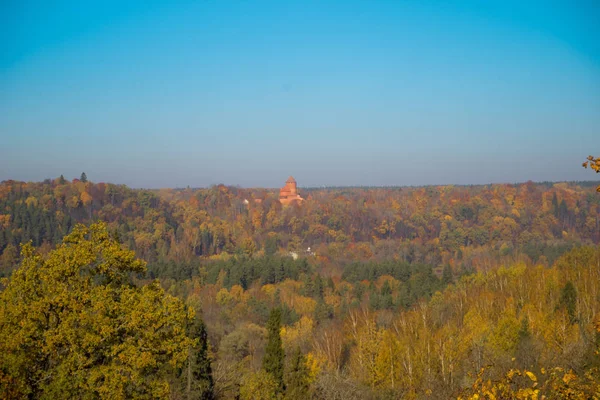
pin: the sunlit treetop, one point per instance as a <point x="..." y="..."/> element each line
<point x="593" y="163"/>
<point x="72" y="325"/>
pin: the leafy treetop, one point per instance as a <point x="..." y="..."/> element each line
<point x="73" y="325"/>
<point x="593" y="163"/>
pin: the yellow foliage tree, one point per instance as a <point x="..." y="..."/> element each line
<point x="594" y="164"/>
<point x="73" y="326"/>
<point x="298" y="335"/>
<point x="258" y="386"/>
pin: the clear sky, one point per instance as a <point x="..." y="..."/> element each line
<point x="172" y="93"/>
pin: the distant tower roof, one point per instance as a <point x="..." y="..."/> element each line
<point x="288" y="194"/>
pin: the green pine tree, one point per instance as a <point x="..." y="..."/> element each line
<point x="297" y="386"/>
<point x="524" y="332"/>
<point x="274" y="355"/>
<point x="447" y="275"/>
<point x="526" y="354"/>
<point x="318" y="288"/>
<point x="271" y="246"/>
<point x="200" y="384"/>
<point x="83" y="177"/>
<point x="568" y="300"/>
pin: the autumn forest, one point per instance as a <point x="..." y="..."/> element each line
<point x="434" y="292"/>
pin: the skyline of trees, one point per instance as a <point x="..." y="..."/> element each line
<point x="438" y="292"/>
<point x="447" y="225"/>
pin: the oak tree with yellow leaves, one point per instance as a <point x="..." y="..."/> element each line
<point x="72" y="325"/>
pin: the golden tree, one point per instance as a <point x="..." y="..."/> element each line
<point x="73" y="326"/>
<point x="593" y="163"/>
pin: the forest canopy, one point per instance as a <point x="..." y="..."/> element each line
<point x="357" y="293"/>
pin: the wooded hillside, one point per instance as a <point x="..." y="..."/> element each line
<point x="433" y="292"/>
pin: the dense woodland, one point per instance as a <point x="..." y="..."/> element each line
<point x="476" y="227"/>
<point x="422" y="292"/>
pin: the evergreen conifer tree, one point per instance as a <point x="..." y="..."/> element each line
<point x="568" y="299"/>
<point x="200" y="384"/>
<point x="274" y="355"/>
<point x="447" y="275"/>
<point x="297" y="387"/>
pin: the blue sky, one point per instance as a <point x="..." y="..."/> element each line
<point x="174" y="93"/>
